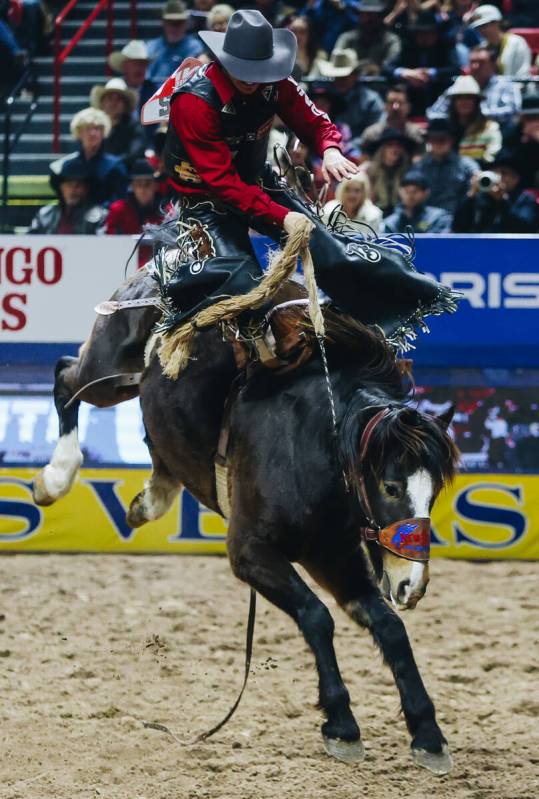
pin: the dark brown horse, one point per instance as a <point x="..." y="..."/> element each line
<point x="290" y="504"/>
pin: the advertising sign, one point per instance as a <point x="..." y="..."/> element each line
<point x="49" y="285"/>
<point x="496" y="323"/>
<point x="482" y="516"/>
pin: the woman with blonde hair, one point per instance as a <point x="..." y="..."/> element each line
<point x="479" y="138"/>
<point x="391" y="158"/>
<point x="353" y="198"/>
<point x="218" y="17"/>
<point x="107" y="174"/>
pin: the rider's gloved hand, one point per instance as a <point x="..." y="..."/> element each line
<point x="337" y="166"/>
<point x="292" y="219"/>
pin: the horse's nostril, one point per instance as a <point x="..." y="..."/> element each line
<point x="402" y="591"/>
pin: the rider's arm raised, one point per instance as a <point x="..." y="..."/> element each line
<point x="314" y="128"/>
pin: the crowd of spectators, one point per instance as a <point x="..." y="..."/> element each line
<point x="435" y="99"/>
<point x="495" y="429"/>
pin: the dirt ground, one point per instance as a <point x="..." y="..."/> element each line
<point x="92" y="646"/>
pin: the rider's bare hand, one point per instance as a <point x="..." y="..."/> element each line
<point x="337" y="166"/>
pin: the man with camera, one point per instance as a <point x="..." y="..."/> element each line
<point x="497" y="202"/>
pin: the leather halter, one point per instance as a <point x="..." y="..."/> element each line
<point x="406" y="538"/>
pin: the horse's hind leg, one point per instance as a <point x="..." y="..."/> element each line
<point x="56" y="478"/>
<point x="156" y="497"/>
<point x="364" y="603"/>
<point x="258" y="563"/>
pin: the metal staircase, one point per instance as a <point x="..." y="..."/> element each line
<point x="85" y="67"/>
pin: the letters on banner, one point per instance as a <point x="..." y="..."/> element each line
<point x="481" y="516"/>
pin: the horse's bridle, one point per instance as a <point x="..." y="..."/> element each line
<point x="407" y="538"/>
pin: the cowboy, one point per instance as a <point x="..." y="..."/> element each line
<point x="215" y="152"/>
<point x="132" y="62"/>
<point x="75" y="213"/>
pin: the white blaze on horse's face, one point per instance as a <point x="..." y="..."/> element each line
<point x="406" y="580"/>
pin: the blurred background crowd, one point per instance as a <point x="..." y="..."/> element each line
<point x="436" y="100"/>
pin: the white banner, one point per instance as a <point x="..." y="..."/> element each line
<point x="49" y="285"/>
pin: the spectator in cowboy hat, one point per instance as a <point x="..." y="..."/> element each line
<point x="413" y="211"/>
<point x="364" y="107"/>
<point x="391" y="158"/>
<point x="447" y="172"/>
<point x="397" y="117"/>
<point x="523" y="141"/>
<point x="139" y="208"/>
<point x="501" y="98"/>
<point x="512" y="52"/>
<point x="374" y="44"/>
<point x="478" y="137"/>
<point x="505" y="207"/>
<point x="132" y="62"/>
<point x="126" y="138"/>
<point x="107" y="173"/>
<point x="427" y="63"/>
<point x="174" y="45"/>
<point x="74" y="213"/>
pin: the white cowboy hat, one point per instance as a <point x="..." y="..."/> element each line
<point x="175" y="11"/>
<point x="113" y="85"/>
<point x="483" y="15"/>
<point x="341" y="64"/>
<point x="135" y="50"/>
<point x="464" y="84"/>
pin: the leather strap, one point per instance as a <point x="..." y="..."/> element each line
<point x="248" y="655"/>
<point x="121" y="380"/>
<point x="220" y="460"/>
<point x="111" y="306"/>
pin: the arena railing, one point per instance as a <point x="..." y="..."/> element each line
<point x="133" y="18"/>
<point x="11" y="138"/>
<point x="61" y="55"/>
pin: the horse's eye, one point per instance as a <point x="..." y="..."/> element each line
<point x="392" y="490"/>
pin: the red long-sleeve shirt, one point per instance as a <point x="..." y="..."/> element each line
<point x="199" y="127"/>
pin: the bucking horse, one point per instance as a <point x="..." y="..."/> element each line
<point x="338" y="478"/>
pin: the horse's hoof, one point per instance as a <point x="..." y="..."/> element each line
<point x="347" y="751"/>
<point x="136" y="516"/>
<point x="438" y="763"/>
<point x="39" y="491"/>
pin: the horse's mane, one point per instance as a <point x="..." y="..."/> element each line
<point x="405" y="436"/>
<point x="374" y="361"/>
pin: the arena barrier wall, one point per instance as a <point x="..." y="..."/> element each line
<point x="482" y="516"/>
<point x="48" y="289"/>
<point x="49" y="286"/>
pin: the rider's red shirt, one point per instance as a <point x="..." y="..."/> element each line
<point x="199" y="127"/>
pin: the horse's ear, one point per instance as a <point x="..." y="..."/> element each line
<point x="445" y="418"/>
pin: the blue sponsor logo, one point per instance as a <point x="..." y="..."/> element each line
<point x="20" y="510"/>
<point x="512" y="520"/>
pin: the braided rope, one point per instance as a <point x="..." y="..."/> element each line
<point x="175" y="347"/>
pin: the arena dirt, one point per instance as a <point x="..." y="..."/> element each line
<point x="90" y="646"/>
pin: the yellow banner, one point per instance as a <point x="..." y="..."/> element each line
<point x="482" y="516"/>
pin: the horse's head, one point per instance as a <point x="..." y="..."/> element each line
<point x="401" y="460"/>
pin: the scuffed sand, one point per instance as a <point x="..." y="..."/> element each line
<point x="90" y="646"/>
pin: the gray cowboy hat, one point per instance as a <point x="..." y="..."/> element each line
<point x="251" y="50"/>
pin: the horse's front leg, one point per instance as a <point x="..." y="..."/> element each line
<point x="363" y="602"/>
<point x="266" y="569"/>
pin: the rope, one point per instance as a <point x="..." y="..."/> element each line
<point x="175" y="348"/>
<point x="202" y="736"/>
<point x="317" y="319"/>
